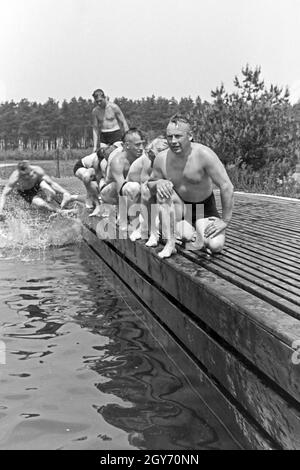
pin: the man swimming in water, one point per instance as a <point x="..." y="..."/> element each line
<point x="109" y="119"/>
<point x="31" y="182"/>
<point x="183" y="178"/>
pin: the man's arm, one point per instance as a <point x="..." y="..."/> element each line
<point x="219" y="176"/>
<point x="157" y="182"/>
<point x="13" y="179"/>
<point x="44" y="177"/>
<point x="55" y="186"/>
<point x="95" y="123"/>
<point x="121" y="119"/>
<point x="116" y="168"/>
<point x="146" y="169"/>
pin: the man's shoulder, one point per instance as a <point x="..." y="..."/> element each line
<point x="161" y="156"/>
<point x="38" y="169"/>
<point x="14" y="177"/>
<point x="116" y="155"/>
<point x="95" y="111"/>
<point x="111" y="104"/>
<point x="202" y="150"/>
<point x="139" y="162"/>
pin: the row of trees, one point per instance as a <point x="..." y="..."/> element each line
<point x="253" y="125"/>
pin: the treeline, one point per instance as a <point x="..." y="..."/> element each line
<point x="35" y="126"/>
<point x="254" y="125"/>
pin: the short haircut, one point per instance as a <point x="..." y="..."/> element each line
<point x="132" y="131"/>
<point x="98" y="92"/>
<point x="23" y="165"/>
<point x="176" y="118"/>
<point x="158" y="144"/>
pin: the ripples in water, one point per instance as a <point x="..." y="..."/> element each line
<point x="83" y="369"/>
<point x="26" y="230"/>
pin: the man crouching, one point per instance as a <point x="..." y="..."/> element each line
<point x="182" y="178"/>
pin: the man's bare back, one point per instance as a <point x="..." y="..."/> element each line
<point x="117" y="160"/>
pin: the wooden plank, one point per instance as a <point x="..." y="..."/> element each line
<point x="284" y="224"/>
<point x="274" y="262"/>
<point x="278" y="247"/>
<point x="255" y="273"/>
<point x="172" y="315"/>
<point x="276" y="296"/>
<point x="268" y="408"/>
<point x="262" y="333"/>
<point x="251" y="244"/>
<point x="254" y="231"/>
<point x="269" y="221"/>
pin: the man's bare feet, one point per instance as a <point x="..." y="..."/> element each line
<point x="136" y="235"/>
<point x="97" y="212"/>
<point x="168" y="250"/>
<point x="153" y="240"/>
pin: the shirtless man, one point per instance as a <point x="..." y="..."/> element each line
<point x="140" y="172"/>
<point x="183" y="178"/>
<point x="30" y="181"/>
<point x="109" y="118"/>
<point x="118" y="165"/>
<point x="90" y="169"/>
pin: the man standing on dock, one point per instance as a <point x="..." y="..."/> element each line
<point x="183" y="178"/>
<point x="109" y="119"/>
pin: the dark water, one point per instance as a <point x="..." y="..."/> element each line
<point x="83" y="370"/>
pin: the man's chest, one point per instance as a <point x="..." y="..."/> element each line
<point x="188" y="172"/>
<point x="106" y="114"/>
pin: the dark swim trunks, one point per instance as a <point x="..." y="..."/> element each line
<point x="202" y="209"/>
<point x="121" y="189"/>
<point x="29" y="194"/>
<point x="110" y="138"/>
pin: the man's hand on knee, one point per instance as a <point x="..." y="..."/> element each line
<point x="214" y="227"/>
<point x="164" y="189"/>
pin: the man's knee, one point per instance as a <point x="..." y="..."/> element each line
<point x="185" y="231"/>
<point x="145" y="193"/>
<point x="37" y="202"/>
<point x="88" y="176"/>
<point x="216" y="244"/>
<point x="132" y="190"/>
<point x="109" y="194"/>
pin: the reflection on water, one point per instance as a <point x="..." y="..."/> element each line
<point x="83" y="371"/>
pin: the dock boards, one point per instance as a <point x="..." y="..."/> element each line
<point x="235" y="315"/>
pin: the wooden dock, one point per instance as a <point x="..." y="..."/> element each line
<point x="236" y="315"/>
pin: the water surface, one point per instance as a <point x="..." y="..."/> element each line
<point x="83" y="370"/>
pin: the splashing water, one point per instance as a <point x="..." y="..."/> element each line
<point x="26" y="230"/>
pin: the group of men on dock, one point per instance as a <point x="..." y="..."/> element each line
<point x="165" y="187"/>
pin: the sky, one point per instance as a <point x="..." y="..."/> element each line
<point x="136" y="48"/>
